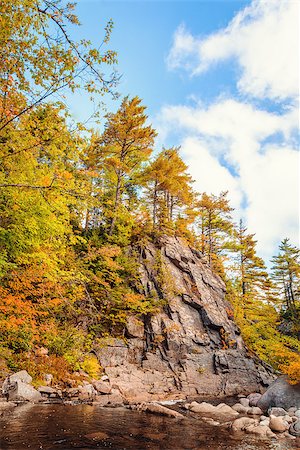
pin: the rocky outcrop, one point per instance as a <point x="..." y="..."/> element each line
<point x="192" y="346"/>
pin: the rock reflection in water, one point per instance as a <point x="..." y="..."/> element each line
<point x="90" y="427"/>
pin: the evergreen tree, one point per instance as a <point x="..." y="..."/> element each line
<point x="168" y="189"/>
<point x="125" y="144"/>
<point x="216" y="228"/>
<point x="286" y="275"/>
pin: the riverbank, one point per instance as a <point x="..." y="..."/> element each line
<point x="61" y="426"/>
<point x="253" y="414"/>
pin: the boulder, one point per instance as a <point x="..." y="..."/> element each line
<point x="294" y="429"/>
<point x="254" y="398"/>
<point x="115" y="398"/>
<point x="297" y="413"/>
<point x="265" y="422"/>
<point x="277" y="412"/>
<point x="47" y="390"/>
<point x="48" y="377"/>
<point x="280" y="394"/>
<point x="222" y="408"/>
<point x="244" y="402"/>
<point x="87" y="392"/>
<point x="155" y="408"/>
<point x="260" y="430"/>
<point x="240" y="408"/>
<point x="202" y="407"/>
<point x="41" y="351"/>
<point x="288" y="418"/>
<point x="72" y="392"/>
<point x="241" y="423"/>
<point x="20" y="392"/>
<point x="102" y="387"/>
<point x="10" y="381"/>
<point x="278" y="424"/>
<point x="255" y="411"/>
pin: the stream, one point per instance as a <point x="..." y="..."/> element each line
<point x="56" y="426"/>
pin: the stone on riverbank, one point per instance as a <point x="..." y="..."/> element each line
<point x="278" y="424"/>
<point x="220" y="410"/>
<point x="277" y="412"/>
<point x="23" y="392"/>
<point x="280" y="394"/>
<point x="10" y="381"/>
<point x="155" y="408"/>
<point x="241" y="423"/>
<point x="240" y="408"/>
<point x="294" y="429"/>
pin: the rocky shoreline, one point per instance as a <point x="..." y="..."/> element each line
<point x="272" y="415"/>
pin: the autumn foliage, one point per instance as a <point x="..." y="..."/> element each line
<point x="76" y="203"/>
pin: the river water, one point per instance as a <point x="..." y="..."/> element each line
<point x="91" y="427"/>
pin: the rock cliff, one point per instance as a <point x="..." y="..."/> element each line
<point x="192" y="346"/>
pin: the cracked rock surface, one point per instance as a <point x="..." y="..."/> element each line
<point x="192" y="347"/>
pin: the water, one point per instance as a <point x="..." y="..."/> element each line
<point x="90" y="427"/>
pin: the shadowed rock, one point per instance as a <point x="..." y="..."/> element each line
<point x="280" y="394"/>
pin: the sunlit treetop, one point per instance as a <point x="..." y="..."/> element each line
<point x="39" y="58"/>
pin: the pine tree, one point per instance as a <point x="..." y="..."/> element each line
<point x="168" y="189"/>
<point x="252" y="268"/>
<point x="286" y="275"/>
<point x="125" y="144"/>
<point x="216" y="227"/>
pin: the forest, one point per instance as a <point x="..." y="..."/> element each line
<point x="77" y="203"/>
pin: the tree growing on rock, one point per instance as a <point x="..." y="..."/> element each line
<point x="123" y="147"/>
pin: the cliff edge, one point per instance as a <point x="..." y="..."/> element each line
<point x="192" y="347"/>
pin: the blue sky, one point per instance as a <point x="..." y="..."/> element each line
<point x="220" y="79"/>
<point x="142" y="36"/>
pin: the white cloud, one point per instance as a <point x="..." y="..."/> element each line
<point x="226" y="147"/>
<point x="209" y="174"/>
<point x="235" y="145"/>
<point x="264" y="40"/>
<point x="272" y="187"/>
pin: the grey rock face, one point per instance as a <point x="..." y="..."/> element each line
<point x="280" y="394"/>
<point x="192" y="347"/>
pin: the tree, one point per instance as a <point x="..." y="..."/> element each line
<point x="286" y="275"/>
<point x="40" y="59"/>
<point x="168" y="188"/>
<point x="125" y="144"/>
<point x="252" y="272"/>
<point x="38" y="188"/>
<point x="216" y="227"/>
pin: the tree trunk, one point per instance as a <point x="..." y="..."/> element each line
<point x="116" y="204"/>
<point x="154" y="204"/>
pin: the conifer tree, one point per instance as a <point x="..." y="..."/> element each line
<point x="168" y="187"/>
<point x="216" y="227"/>
<point x="286" y="275"/>
<point x="125" y="144"/>
<point x="252" y="269"/>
